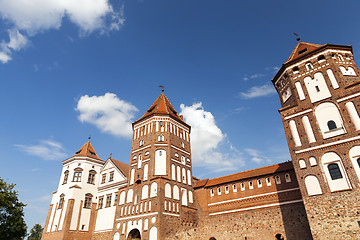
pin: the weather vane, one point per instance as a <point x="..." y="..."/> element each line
<point x="110" y="155"/>
<point x="297" y="37"/>
<point x="162" y="87"/>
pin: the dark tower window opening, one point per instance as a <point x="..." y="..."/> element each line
<point x="303" y="51"/>
<point x="317" y="88"/>
<point x="358" y="161"/>
<point x="331" y="125"/>
<point x="334" y="171"/>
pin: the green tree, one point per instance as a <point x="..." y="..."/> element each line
<point x="36" y="232"/>
<point x="12" y="224"/>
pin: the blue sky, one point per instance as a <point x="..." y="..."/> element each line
<point x="69" y="71"/>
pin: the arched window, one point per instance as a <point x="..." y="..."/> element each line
<point x="340" y="57"/>
<point x="139" y="161"/>
<point x="145" y="192"/>
<point x="182" y="145"/>
<point x="61" y="201"/>
<point x="211" y="192"/>
<point x="141" y="142"/>
<point x="358" y="161"/>
<point x="176" y="193"/>
<point x="287" y="177"/>
<point x="161" y="138"/>
<point x="122" y="198"/>
<point x="259" y="183"/>
<point x="277" y="180"/>
<point x="129" y="196"/>
<point x="91" y="178"/>
<point x="312" y="185"/>
<point x="66" y="176"/>
<point x="331" y="125"/>
<point x="87" y="202"/>
<point x="153" y="189"/>
<point x="167" y="190"/>
<point x="334" y="171"/>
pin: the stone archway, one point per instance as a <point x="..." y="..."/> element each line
<point x="134" y="235"/>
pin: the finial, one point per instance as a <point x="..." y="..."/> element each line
<point x="162" y="88"/>
<point x="110" y="155"/>
<point x="89" y="137"/>
<point x="297" y="37"/>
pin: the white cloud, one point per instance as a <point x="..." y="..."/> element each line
<point x="206" y="138"/>
<point x="256" y="156"/>
<point x="35" y="16"/>
<point x="46" y="149"/>
<point x="108" y="113"/>
<point x="258" y="91"/>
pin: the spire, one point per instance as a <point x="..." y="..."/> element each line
<point x="302" y="48"/>
<point x="87" y="151"/>
<point x="161" y="106"/>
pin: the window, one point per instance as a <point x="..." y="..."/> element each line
<point x="111" y="178"/>
<point x="334" y="171"/>
<point x="287" y="177"/>
<point x="182" y="145"/>
<point x="87" y="202"/>
<point x="296" y="69"/>
<point x="242" y="186"/>
<point x="183" y="160"/>
<point x="116" y="199"/>
<point x="317" y="88"/>
<point x="268" y="181"/>
<point x="331" y="125"/>
<point x="309" y="66"/>
<point x="77" y="176"/>
<point x="101" y="202"/>
<point x="234" y="188"/>
<point x="103" y="180"/>
<point x="176" y="154"/>
<point x="251" y="185"/>
<point x="108" y="200"/>
<point x="321" y="58"/>
<point x="303" y="51"/>
<point x="219" y="190"/>
<point x="259" y="183"/>
<point x="61" y="201"/>
<point x="340" y="57"/>
<point x="277" y="180"/>
<point x="161" y="138"/>
<point x="161" y="123"/>
<point x="66" y="176"/>
<point x="211" y="192"/>
<point x="91" y="178"/>
<point x="141" y="143"/>
<point x="358" y="161"/>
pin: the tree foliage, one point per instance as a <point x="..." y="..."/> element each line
<point x="12" y="224"/>
<point x="36" y="232"/>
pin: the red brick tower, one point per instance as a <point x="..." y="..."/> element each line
<point x="159" y="196"/>
<point x="319" y="89"/>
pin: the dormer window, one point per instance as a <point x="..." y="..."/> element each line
<point x="303" y="51"/>
<point x="309" y="66"/>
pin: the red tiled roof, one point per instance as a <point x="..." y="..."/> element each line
<point x="87" y="150"/>
<point x="161" y="106"/>
<point x="201" y="183"/>
<point x="249" y="174"/>
<point x="303" y="48"/>
<point x="123" y="167"/>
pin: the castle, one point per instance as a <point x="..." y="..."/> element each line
<point x="155" y="196"/>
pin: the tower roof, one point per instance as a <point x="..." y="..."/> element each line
<point x="123" y="167"/>
<point x="303" y="48"/>
<point x="87" y="150"/>
<point x="161" y="106"/>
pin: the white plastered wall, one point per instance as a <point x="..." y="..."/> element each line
<point x="326" y="112"/>
<point x="317" y="87"/>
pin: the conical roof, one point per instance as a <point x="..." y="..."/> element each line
<point x="161" y="106"/>
<point x="301" y="49"/>
<point x="87" y="150"/>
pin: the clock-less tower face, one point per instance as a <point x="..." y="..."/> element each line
<point x="319" y="90"/>
<point x="160" y="182"/>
